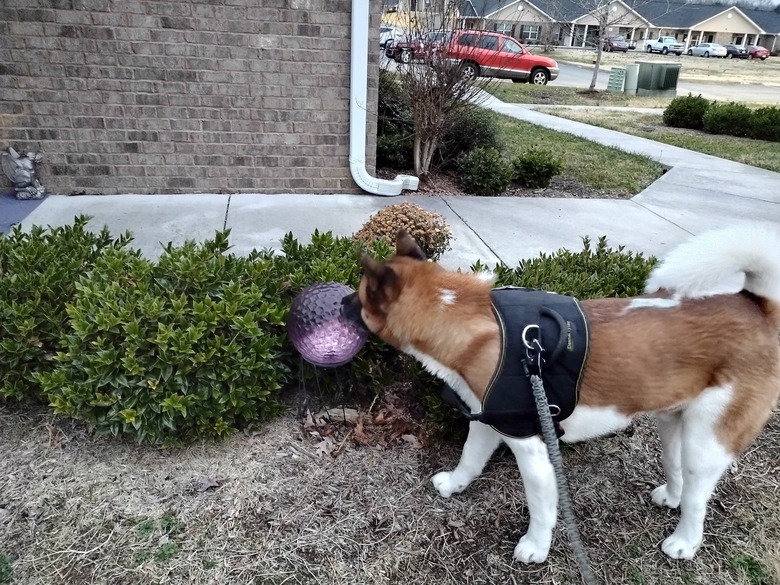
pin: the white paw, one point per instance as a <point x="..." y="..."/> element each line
<point x="446" y="485"/>
<point x="679" y="548"/>
<point x="529" y="550"/>
<point x="662" y="497"/>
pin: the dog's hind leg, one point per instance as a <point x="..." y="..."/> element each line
<point x="542" y="495"/>
<point x="670" y="432"/>
<point x="480" y="445"/>
<point x="704" y="459"/>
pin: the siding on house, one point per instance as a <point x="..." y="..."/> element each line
<point x="724" y="27"/>
<point x="621" y="16"/>
<point x="140" y="96"/>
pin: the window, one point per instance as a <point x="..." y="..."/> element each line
<point x="511" y="46"/>
<point x="505" y="28"/>
<point x="469" y="40"/>
<point x="530" y="31"/>
<point x="488" y="42"/>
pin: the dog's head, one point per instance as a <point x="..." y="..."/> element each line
<point x="412" y="303"/>
<point x="386" y="289"/>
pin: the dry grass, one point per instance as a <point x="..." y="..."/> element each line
<point x="270" y="507"/>
<point x="757" y="153"/>
<point x="693" y="68"/>
<point x="571" y="96"/>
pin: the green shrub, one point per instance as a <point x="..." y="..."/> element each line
<point x="428" y="228"/>
<point x="38" y="272"/>
<point x="732" y="119"/>
<point x="485" y="171"/>
<point x="590" y="273"/>
<point x="395" y="125"/>
<point x="393" y="149"/>
<point x="536" y="167"/>
<point x="6" y="570"/>
<point x="765" y="124"/>
<point x="470" y="128"/>
<point x="686" y="112"/>
<point x="185" y="347"/>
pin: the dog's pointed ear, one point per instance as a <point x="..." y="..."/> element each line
<point x="381" y="280"/>
<point x="405" y="245"/>
<point x="370" y="266"/>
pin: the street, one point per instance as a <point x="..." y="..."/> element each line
<point x="572" y="75"/>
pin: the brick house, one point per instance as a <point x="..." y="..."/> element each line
<point x="180" y="96"/>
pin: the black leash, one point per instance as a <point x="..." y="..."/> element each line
<point x="533" y="367"/>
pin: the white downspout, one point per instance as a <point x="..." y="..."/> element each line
<point x="357" y="112"/>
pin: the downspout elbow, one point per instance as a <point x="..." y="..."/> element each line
<point x="357" y="112"/>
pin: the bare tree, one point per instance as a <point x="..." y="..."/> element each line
<point x="435" y="85"/>
<point x="606" y="14"/>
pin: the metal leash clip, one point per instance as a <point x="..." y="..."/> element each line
<point x="533" y="351"/>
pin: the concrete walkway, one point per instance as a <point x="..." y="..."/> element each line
<point x="697" y="193"/>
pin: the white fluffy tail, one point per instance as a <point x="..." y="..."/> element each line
<point x="724" y="260"/>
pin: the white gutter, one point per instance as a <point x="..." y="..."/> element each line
<point x="357" y="112"/>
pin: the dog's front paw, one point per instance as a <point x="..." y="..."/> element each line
<point x="662" y="497"/>
<point x="446" y="484"/>
<point x="679" y="548"/>
<point x="529" y="550"/>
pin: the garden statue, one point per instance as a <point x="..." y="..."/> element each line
<point x="21" y="171"/>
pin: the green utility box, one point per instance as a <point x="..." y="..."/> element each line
<point x="658" y="78"/>
<point x="617" y="78"/>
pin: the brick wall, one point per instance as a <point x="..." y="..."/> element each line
<point x="141" y="96"/>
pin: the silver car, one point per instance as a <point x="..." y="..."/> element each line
<point x="707" y="50"/>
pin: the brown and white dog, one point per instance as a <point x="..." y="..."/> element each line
<point x="706" y="363"/>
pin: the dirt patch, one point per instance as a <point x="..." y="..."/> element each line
<point x="273" y="506"/>
<point x="443" y="182"/>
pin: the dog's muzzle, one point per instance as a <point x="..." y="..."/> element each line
<point x="350" y="310"/>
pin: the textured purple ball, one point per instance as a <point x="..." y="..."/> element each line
<point x="317" y="328"/>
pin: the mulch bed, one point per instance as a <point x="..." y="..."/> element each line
<point x="444" y="182"/>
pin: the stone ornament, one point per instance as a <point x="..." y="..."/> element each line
<point x="21" y="172"/>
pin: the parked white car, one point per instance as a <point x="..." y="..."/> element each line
<point x="707" y="50"/>
<point x="664" y="45"/>
<point x="389" y="34"/>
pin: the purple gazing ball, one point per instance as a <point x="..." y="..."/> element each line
<point x="317" y="328"/>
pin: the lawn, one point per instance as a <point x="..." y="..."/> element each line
<point x="757" y="153"/>
<point x="523" y="93"/>
<point x="613" y="169"/>
<point x="271" y="506"/>
<point x="601" y="167"/>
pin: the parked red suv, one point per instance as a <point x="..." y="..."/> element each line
<point x="491" y="54"/>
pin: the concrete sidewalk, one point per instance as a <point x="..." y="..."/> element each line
<point x="699" y="192"/>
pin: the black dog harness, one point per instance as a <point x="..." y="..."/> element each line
<point x="559" y="324"/>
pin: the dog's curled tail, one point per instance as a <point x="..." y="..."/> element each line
<point x="710" y="263"/>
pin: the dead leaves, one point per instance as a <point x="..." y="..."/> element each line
<point x="390" y="425"/>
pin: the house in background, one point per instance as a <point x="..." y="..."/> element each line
<point x="711" y="23"/>
<point x="519" y="19"/>
<point x="569" y="23"/>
